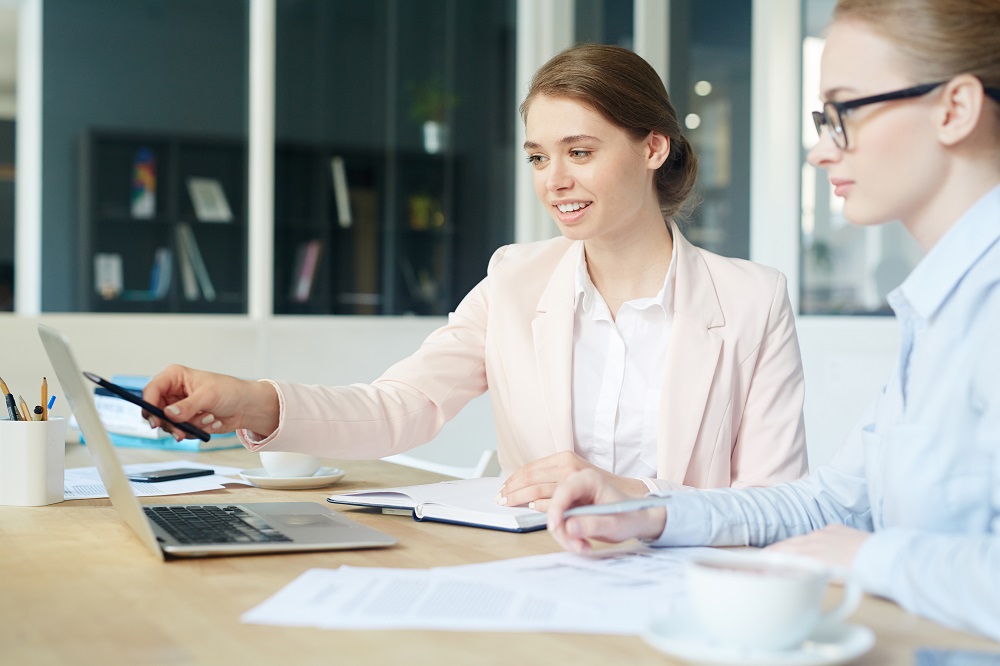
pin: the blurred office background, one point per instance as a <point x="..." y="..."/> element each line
<point x="341" y="171"/>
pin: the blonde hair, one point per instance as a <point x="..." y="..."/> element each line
<point x="629" y="94"/>
<point x="937" y="39"/>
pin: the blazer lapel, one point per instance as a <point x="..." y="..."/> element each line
<point x="692" y="360"/>
<point x="552" y="331"/>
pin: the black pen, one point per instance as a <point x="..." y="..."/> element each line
<point x="11" y="403"/>
<point x="152" y="409"/>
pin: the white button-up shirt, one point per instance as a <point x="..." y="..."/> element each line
<point x="618" y="366"/>
<point x="922" y="468"/>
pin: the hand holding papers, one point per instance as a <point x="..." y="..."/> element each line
<point x="466" y="502"/>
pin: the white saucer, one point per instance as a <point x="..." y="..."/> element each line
<point x="324" y="476"/>
<point x="838" y="644"/>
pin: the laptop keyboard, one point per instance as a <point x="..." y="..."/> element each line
<point x="212" y="524"/>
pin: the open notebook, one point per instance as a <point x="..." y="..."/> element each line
<point x="463" y="502"/>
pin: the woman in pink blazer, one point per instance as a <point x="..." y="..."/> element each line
<point x="618" y="347"/>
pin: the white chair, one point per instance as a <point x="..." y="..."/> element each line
<point x="488" y="465"/>
<point x="465" y="447"/>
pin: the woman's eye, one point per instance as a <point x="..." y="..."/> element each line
<point x="536" y="160"/>
<point x="580" y="154"/>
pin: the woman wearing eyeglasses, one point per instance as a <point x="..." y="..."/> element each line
<point x="909" y="131"/>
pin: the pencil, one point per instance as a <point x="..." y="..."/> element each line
<point x="25" y="412"/>
<point x="3" y="385"/>
<point x="45" y="399"/>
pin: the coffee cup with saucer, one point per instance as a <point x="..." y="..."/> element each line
<point x="762" y="608"/>
<point x="289" y="470"/>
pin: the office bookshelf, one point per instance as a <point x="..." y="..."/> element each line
<point x="146" y="226"/>
<point x="380" y="222"/>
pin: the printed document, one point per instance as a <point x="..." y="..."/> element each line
<point x="85" y="482"/>
<point x="617" y="591"/>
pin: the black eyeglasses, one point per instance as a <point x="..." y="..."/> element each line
<point x="832" y="115"/>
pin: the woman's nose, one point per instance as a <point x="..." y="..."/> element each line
<point x="557" y="177"/>
<point x="824" y="152"/>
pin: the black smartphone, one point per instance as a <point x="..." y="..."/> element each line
<point x="125" y="394"/>
<point x="170" y="474"/>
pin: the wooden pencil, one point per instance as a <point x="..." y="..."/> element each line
<point x="25" y="412"/>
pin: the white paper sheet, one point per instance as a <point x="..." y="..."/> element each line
<point x="85" y="482"/>
<point x="617" y="592"/>
<point x="372" y="598"/>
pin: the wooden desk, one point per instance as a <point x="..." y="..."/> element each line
<point x="76" y="587"/>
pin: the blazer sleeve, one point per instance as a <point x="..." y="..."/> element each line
<point x="770" y="443"/>
<point x="405" y="407"/>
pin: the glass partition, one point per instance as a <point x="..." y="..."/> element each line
<point x="710" y="87"/>
<point x="144" y="156"/>
<point x="8" y="109"/>
<point x="604" y="22"/>
<point x="394" y="152"/>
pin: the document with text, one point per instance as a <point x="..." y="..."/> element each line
<point x="85" y="482"/>
<point x="617" y="591"/>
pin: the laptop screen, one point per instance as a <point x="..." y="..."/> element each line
<point x="102" y="452"/>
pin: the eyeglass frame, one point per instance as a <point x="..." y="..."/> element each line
<point x="839" y="133"/>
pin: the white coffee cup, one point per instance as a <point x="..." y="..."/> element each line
<point x="286" y="463"/>
<point x="764" y="601"/>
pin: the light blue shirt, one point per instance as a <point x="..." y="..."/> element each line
<point x="922" y="468"/>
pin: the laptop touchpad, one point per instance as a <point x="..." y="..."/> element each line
<point x="301" y="520"/>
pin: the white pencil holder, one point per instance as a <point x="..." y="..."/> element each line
<point x="32" y="462"/>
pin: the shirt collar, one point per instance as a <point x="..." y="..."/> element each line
<point x="929" y="284"/>
<point x="586" y="292"/>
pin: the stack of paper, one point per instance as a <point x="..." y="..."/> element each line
<point x="615" y="592"/>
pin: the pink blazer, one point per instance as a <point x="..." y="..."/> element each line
<point x="731" y="399"/>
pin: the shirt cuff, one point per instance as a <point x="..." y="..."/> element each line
<point x="660" y="486"/>
<point x="651" y="487"/>
<point x="685" y="526"/>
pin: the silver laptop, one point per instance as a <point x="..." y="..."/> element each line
<point x="218" y="529"/>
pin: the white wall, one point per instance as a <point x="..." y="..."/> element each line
<point x="846" y="362"/>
